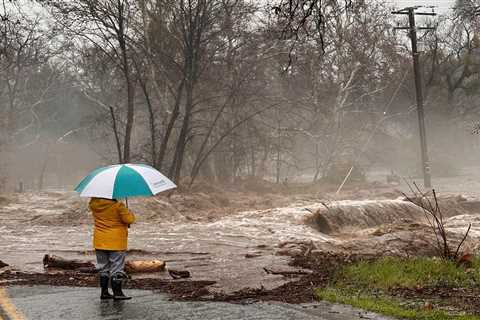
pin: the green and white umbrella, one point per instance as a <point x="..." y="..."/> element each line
<point x="124" y="180"/>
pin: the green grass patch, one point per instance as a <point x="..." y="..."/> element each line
<point x="366" y="285"/>
<point x="390" y="272"/>
<point x="384" y="305"/>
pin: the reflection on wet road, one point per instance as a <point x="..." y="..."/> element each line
<point x="46" y="303"/>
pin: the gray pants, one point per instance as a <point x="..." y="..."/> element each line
<point x="111" y="263"/>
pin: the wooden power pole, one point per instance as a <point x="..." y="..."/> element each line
<point x="410" y="11"/>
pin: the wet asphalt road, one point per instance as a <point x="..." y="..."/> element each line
<point x="55" y="303"/>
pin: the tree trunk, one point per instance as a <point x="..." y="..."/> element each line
<point x="278" y="166"/>
<point x="130" y="86"/>
<point x="176" y="167"/>
<point x="117" y="137"/>
<point x="317" y="162"/>
<point x="130" y="116"/>
<point x="151" y="120"/>
<point x="253" y="161"/>
<point x="171" y="123"/>
<point x="44" y="168"/>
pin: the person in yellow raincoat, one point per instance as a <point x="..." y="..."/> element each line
<point x="110" y="240"/>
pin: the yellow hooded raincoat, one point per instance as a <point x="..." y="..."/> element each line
<point x="112" y="219"/>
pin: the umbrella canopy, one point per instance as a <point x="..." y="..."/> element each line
<point x="122" y="181"/>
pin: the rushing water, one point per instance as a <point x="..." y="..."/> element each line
<point x="232" y="250"/>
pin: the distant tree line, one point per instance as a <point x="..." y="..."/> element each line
<point x="227" y="89"/>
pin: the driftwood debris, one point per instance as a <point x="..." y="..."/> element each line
<point x="148" y="266"/>
<point x="139" y="266"/>
<point x="56" y="262"/>
<point x="466" y="260"/>
<point x="3" y="264"/>
<point x="179" y="274"/>
<point x="286" y="273"/>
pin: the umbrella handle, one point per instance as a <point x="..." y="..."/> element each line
<point x="126" y="203"/>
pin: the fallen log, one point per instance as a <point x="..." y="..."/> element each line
<point x="135" y="266"/>
<point x="56" y="262"/>
<point x="148" y="266"/>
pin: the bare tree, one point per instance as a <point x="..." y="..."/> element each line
<point x="106" y="26"/>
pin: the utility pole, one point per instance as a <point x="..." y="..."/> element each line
<point x="410" y="11"/>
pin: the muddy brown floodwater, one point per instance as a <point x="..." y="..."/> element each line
<point x="228" y="248"/>
<point x="232" y="251"/>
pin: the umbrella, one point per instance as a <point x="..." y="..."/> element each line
<point x="124" y="180"/>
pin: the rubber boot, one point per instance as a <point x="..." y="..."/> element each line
<point x="104" y="285"/>
<point x="117" y="289"/>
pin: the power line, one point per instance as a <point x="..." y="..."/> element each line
<point x="445" y="5"/>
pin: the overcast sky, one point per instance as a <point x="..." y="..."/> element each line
<point x="442" y="6"/>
